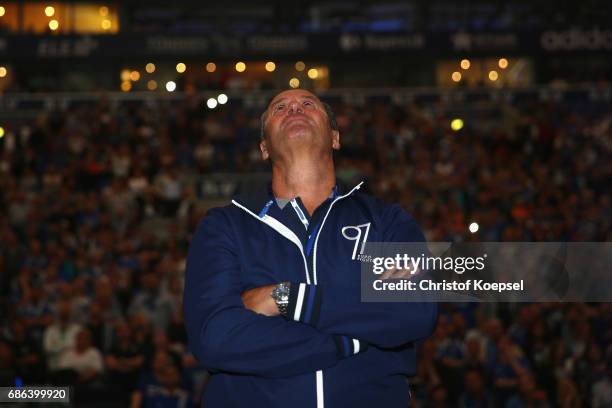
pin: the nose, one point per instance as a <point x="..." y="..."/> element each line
<point x="295" y="106"/>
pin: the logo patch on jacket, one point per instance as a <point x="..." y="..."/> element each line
<point x="359" y="234"/>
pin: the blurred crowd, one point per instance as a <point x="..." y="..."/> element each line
<point x="98" y="201"/>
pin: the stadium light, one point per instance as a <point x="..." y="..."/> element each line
<point x="473" y="227"/>
<point x="300" y="66"/>
<point x="240" y="66"/>
<point x="53" y="25"/>
<point x="313" y="73"/>
<point x="180" y="67"/>
<point x="294" y="82"/>
<point x="49" y="11"/>
<point x="457" y="124"/>
<point x="270" y="66"/>
<point x="125" y="75"/>
<point x="150" y="68"/>
<point x="493" y="75"/>
<point x="503" y="63"/>
<point x="465" y="63"/>
<point x="456" y="76"/>
<point x="211" y="67"/>
<point x="126" y="86"/>
<point x="134" y="76"/>
<point x="3" y="72"/>
<point x="211" y="103"/>
<point x="222" y="99"/>
<point x="170" y="86"/>
<point x="2" y="11"/>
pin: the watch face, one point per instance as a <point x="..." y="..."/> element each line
<point x="281" y="294"/>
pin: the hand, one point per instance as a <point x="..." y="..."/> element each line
<point x="395" y="273"/>
<point x="260" y="300"/>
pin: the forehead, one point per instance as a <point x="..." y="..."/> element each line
<point x="293" y="93"/>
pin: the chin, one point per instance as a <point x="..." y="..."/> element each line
<point x="299" y="134"/>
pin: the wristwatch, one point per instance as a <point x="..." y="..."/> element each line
<point x="280" y="294"/>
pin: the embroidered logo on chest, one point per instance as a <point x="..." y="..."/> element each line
<point x="359" y="234"/>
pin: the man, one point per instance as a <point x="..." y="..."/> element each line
<point x="61" y="336"/>
<point x="272" y="288"/>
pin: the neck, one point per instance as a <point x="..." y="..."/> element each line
<point x="312" y="179"/>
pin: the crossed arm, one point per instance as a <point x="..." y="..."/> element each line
<point x="244" y="332"/>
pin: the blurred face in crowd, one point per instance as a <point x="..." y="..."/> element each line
<point x="123" y="332"/>
<point x="472" y="347"/>
<point x="170" y="376"/>
<point x="63" y="312"/>
<point x="160" y="340"/>
<point x="526" y="384"/>
<point x="296" y="121"/>
<point x="83" y="340"/>
<point x="150" y="282"/>
<point x="161" y="360"/>
<point x="473" y="382"/>
<point x="6" y="355"/>
<point x="18" y="330"/>
<point x="95" y="312"/>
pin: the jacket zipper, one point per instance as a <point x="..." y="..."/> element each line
<point x="290" y="235"/>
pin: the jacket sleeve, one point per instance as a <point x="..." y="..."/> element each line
<point x="340" y="310"/>
<point x="225" y="336"/>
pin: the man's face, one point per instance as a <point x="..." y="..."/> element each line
<point x="296" y="119"/>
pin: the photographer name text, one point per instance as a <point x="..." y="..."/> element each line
<point x="431" y="285"/>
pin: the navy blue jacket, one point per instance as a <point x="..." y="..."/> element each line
<point x="332" y="350"/>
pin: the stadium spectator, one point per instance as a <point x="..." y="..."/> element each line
<point x="124" y="362"/>
<point x="475" y="394"/>
<point x="602" y="389"/>
<point x="60" y="337"/>
<point x="29" y="362"/>
<point x="83" y="359"/>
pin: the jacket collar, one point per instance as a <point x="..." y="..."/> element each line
<point x="258" y="196"/>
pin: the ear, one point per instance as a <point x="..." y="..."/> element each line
<point x="264" y="150"/>
<point x="335" y="140"/>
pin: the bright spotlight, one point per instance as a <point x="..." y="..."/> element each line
<point x="211" y="103"/>
<point x="457" y="124"/>
<point x="170" y="86"/>
<point x="294" y="82"/>
<point x="222" y="99"/>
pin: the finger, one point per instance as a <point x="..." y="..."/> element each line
<point x="388" y="273"/>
